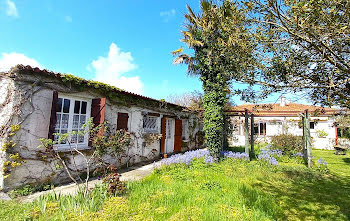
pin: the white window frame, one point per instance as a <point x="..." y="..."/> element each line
<point x="148" y="130"/>
<point x="260" y="129"/>
<point x="85" y="145"/>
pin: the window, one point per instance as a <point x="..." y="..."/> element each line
<point x="150" y="124"/>
<point x="312" y="125"/>
<point x="71" y="115"/>
<point x="260" y="128"/>
<point x="185" y="129"/>
<point x="343" y="132"/>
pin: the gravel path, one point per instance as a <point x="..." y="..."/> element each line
<point x="132" y="173"/>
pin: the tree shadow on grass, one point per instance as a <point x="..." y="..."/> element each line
<point x="304" y="196"/>
<point x="346" y="160"/>
<point x="240" y="149"/>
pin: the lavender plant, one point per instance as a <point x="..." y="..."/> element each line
<point x="188" y="157"/>
<point x="322" y="166"/>
<point x="269" y="156"/>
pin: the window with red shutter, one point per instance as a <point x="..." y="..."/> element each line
<point x="69" y="114"/>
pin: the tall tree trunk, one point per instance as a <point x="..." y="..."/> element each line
<point x="214" y="101"/>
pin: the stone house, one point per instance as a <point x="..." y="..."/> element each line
<point x="37" y="103"/>
<point x="285" y="117"/>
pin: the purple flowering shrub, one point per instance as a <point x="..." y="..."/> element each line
<point x="268" y="156"/>
<point x="185" y="158"/>
<point x="189" y="157"/>
<point x="322" y="166"/>
<point x="236" y="155"/>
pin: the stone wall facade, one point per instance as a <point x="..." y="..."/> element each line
<point x="27" y="100"/>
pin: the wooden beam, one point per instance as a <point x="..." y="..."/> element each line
<point x="252" y="135"/>
<point x="307" y="139"/>
<point x="246" y="131"/>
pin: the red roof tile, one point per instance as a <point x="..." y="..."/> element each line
<point x="291" y="109"/>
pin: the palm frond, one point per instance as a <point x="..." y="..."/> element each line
<point x="183" y="59"/>
<point x="178" y="51"/>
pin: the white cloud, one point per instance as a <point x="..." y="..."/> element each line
<point x="166" y="15"/>
<point x="112" y="70"/>
<point x="68" y="18"/>
<point x="11" y="9"/>
<point x="9" y="60"/>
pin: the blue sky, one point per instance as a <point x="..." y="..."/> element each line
<point x="123" y="43"/>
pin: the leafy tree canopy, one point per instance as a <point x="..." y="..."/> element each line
<point x="301" y="45"/>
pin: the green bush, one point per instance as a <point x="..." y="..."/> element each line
<point x="288" y="143"/>
<point x="30" y="189"/>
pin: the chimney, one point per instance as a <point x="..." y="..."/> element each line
<point x="283" y="101"/>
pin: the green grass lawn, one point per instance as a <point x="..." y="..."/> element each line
<point x="229" y="190"/>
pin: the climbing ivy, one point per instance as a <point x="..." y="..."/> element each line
<point x="115" y="94"/>
<point x="15" y="159"/>
<point x="221" y="52"/>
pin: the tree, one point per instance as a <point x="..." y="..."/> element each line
<point x="193" y="101"/>
<point x="302" y="46"/>
<point x="222" y="52"/>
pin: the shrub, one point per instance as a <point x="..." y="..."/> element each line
<point x="321" y="133"/>
<point x="114" y="185"/>
<point x="288" y="143"/>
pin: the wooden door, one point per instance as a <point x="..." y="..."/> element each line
<point x="178" y="136"/>
<point x="163" y="131"/>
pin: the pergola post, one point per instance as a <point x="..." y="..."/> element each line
<point x="246" y="131"/>
<point x="307" y="139"/>
<point x="252" y="135"/>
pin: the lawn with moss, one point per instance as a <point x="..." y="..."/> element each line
<point x="229" y="190"/>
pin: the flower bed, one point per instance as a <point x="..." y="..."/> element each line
<point x="188" y="157"/>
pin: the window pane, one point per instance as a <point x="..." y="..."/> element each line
<point x="64" y="132"/>
<point x="256" y="129"/>
<point x="75" y="122"/>
<point x="59" y="105"/>
<point x="83" y="107"/>
<point x="150" y="124"/>
<point x="58" y="122"/>
<point x="82" y="120"/>
<point x="55" y="136"/>
<point x="262" y="128"/>
<point x="66" y="106"/>
<point x="76" y="107"/>
<point x="74" y="137"/>
<point x="312" y="125"/>
<point x="64" y="122"/>
<point x="81" y="139"/>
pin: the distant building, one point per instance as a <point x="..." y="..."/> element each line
<point x="285" y="117"/>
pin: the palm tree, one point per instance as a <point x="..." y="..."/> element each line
<point x="221" y="52"/>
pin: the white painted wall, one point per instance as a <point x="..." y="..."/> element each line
<point x="290" y="125"/>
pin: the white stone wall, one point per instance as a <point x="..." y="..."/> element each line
<point x="35" y="168"/>
<point x="6" y="105"/>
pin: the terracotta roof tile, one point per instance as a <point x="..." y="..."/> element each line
<point x="291" y="109"/>
<point x="59" y="75"/>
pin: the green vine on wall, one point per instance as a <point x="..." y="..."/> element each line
<point x="15" y="159"/>
<point x="115" y="94"/>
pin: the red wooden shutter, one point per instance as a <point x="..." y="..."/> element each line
<point x="178" y="136"/>
<point x="163" y="131"/>
<point x="98" y="112"/>
<point x="122" y="121"/>
<point x="53" y="117"/>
